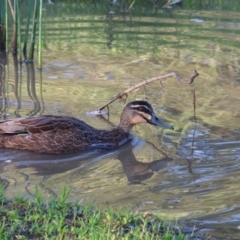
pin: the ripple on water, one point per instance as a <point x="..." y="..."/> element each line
<point x="202" y="182"/>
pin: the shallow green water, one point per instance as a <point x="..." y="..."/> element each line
<point x="94" y="52"/>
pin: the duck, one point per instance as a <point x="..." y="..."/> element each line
<point x="65" y="134"/>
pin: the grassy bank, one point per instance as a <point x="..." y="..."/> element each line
<point x="21" y="218"/>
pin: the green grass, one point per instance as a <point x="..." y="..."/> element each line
<point x="22" y="218"/>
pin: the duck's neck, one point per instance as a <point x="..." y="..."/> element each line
<point x="114" y="137"/>
<point x="110" y="138"/>
<point x="124" y="124"/>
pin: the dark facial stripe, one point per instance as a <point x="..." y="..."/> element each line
<point x="142" y="108"/>
<point x="146" y="119"/>
<point x="140" y="103"/>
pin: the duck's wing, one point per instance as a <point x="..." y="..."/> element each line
<point x="37" y="124"/>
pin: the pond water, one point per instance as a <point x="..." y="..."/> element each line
<point x="94" y="51"/>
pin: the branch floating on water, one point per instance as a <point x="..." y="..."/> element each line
<point x="161" y="77"/>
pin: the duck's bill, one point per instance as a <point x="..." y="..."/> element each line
<point x="160" y="123"/>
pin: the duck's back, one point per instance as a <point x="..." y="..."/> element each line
<point x="56" y="134"/>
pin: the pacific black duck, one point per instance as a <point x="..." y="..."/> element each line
<point x="63" y="134"/>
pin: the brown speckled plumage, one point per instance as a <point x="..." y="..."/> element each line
<point x="63" y="134"/>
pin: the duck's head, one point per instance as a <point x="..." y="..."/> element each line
<point x="141" y="112"/>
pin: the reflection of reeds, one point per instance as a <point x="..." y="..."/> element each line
<point x="17" y="85"/>
<point x="3" y="57"/>
<point x="34" y="90"/>
<point x="22" y="46"/>
<point x="3" y="100"/>
<point x="31" y="88"/>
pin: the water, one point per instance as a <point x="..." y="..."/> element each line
<point x="96" y="51"/>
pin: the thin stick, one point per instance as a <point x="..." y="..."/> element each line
<point x="125" y="93"/>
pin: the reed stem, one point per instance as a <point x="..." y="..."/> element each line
<point x="30" y="4"/>
<point x="6" y="25"/>
<point x="33" y="36"/>
<point x="2" y="28"/>
<point x="40" y="37"/>
<point x="17" y="10"/>
<point x="14" y="36"/>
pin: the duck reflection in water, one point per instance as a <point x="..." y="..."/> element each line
<point x="137" y="171"/>
<point x="47" y="165"/>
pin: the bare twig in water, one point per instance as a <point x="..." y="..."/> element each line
<point x="125" y="93"/>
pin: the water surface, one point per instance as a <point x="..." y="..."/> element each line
<point x="92" y="53"/>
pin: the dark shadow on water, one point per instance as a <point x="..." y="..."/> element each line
<point x="50" y="164"/>
<point x="137" y="171"/>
